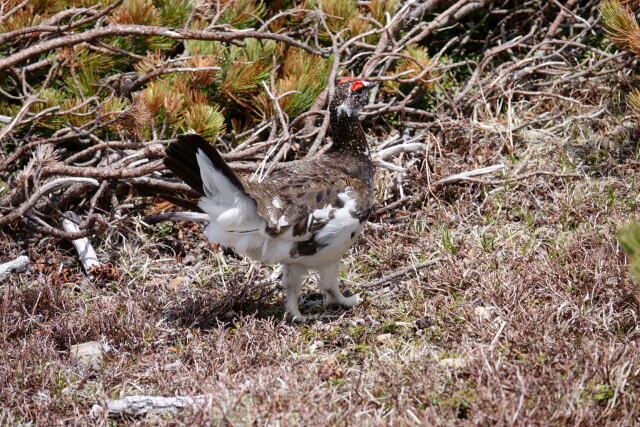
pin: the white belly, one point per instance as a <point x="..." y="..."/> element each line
<point x="236" y="224"/>
<point x="335" y="249"/>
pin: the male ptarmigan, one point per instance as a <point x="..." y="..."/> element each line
<point x="306" y="216"/>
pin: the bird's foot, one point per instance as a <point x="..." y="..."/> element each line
<point x="351" y="301"/>
<point x="342" y="301"/>
<point x="296" y="316"/>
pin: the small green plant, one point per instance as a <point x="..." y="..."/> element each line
<point x="447" y="242"/>
<point x="599" y="393"/>
<point x="629" y="237"/>
<point x="487" y="242"/>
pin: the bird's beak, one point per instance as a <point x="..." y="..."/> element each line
<point x="369" y="85"/>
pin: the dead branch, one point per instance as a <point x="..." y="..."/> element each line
<point x="108" y="146"/>
<point x="465" y="176"/>
<point x="48" y="187"/>
<point x="391" y="206"/>
<point x="401" y="272"/>
<point x="141" y="405"/>
<point x="85" y="250"/>
<point x="17" y="265"/>
<point x="144" y="30"/>
<point x="177" y="216"/>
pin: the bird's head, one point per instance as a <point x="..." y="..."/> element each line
<point x="349" y="97"/>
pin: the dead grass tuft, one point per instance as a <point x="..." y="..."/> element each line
<point x="530" y="317"/>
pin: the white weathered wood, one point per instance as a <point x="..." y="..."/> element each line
<point x="177" y="216"/>
<point x="400" y="148"/>
<point x="17" y="264"/>
<point x="141" y="405"/>
<point x="387" y="165"/>
<point x="85" y="250"/>
<point x="469" y="174"/>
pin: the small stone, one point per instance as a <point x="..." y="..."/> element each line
<point x="315" y="345"/>
<point x="172" y="366"/>
<point x="454" y="362"/>
<point x="229" y="315"/>
<point x="176" y="282"/>
<point x="384" y="338"/>
<point x="483" y="313"/>
<point x="87" y="355"/>
<point x="403" y="324"/>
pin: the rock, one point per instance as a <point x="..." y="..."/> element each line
<point x="403" y="324"/>
<point x="17" y="265"/>
<point x="384" y="338"/>
<point x="454" y="362"/>
<point x="176" y="282"/>
<point x="87" y="355"/>
<point x="172" y="366"/>
<point x="229" y="315"/>
<point x="141" y="405"/>
<point x="483" y="313"/>
<point x="315" y="345"/>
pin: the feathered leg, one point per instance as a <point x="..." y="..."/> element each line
<point x="328" y="284"/>
<point x="292" y="277"/>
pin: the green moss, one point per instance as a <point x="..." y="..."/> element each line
<point x="597" y="392"/>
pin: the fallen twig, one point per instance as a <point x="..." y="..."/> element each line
<point x="49" y="186"/>
<point x="17" y="265"/>
<point x="391" y="206"/>
<point x="401" y="272"/>
<point x="85" y="250"/>
<point x="468" y="174"/>
<point x="141" y="405"/>
<point x="546" y="173"/>
<point x="177" y="216"/>
<point x="400" y="148"/>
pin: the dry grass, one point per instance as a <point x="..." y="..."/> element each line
<point x="531" y="316"/>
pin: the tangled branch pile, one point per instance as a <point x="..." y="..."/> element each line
<point x="91" y="91"/>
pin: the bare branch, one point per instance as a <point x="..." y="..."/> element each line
<point x="144" y="30"/>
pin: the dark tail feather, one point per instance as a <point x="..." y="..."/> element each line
<point x="181" y="159"/>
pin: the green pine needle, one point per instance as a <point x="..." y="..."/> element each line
<point x="621" y="24"/>
<point x="205" y="120"/>
<point x="205" y="48"/>
<point x="246" y="67"/>
<point x="340" y="12"/>
<point x="380" y="9"/>
<point x="634" y="100"/>
<point x="242" y="13"/>
<point x="174" y="12"/>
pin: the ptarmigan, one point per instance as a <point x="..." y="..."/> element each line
<point x="306" y="216"/>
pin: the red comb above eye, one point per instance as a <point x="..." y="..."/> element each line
<point x="345" y="79"/>
<point x="356" y="85"/>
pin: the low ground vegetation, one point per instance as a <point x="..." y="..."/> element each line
<point x="529" y="314"/>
